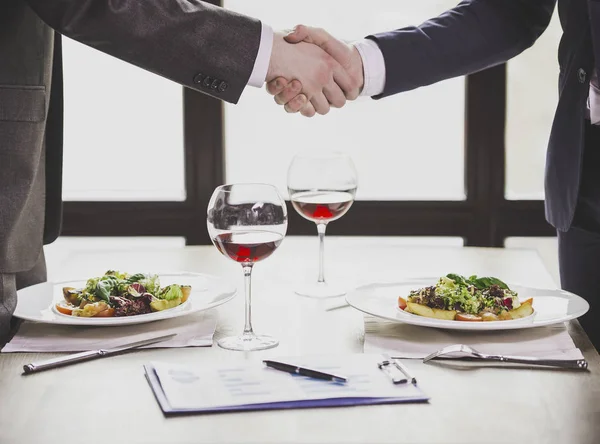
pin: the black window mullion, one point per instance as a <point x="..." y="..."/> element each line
<point x="204" y="159"/>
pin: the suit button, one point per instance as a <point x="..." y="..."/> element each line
<point x="207" y="81"/>
<point x="223" y="86"/>
<point x="214" y="84"/>
<point x="198" y="78"/>
<point x="581" y="75"/>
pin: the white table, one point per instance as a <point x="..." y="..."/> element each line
<point x="109" y="400"/>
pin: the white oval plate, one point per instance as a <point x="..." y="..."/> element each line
<point x="550" y="306"/>
<point x="37" y="303"/>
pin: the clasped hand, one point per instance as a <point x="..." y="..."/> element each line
<point x="310" y="71"/>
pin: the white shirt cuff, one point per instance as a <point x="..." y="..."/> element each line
<point x="373" y="67"/>
<point x="594" y="100"/>
<point x="261" y="64"/>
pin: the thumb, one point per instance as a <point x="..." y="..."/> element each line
<point x="299" y="34"/>
<point x="318" y="36"/>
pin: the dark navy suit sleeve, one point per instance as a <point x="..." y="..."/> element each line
<point x="475" y="35"/>
<point x="594" y="9"/>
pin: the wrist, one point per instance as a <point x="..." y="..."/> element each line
<point x="274" y="69"/>
<point x="358" y="72"/>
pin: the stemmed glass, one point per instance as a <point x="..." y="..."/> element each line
<point x="246" y="223"/>
<point x="322" y="186"/>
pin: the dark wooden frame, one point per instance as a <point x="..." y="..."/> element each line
<point x="484" y="219"/>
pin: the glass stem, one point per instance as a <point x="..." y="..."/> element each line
<point x="248" y="289"/>
<point x="321" y="230"/>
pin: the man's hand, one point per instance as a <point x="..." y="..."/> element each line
<point x="320" y="78"/>
<point x="288" y="93"/>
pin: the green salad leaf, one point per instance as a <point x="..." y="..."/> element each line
<point x="171" y="292"/>
<point x="480" y="283"/>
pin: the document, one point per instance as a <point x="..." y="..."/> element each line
<point x="253" y="386"/>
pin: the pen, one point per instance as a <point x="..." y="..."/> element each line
<point x="304" y="371"/>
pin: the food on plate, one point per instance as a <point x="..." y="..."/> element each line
<point x="472" y="299"/>
<point x="121" y="294"/>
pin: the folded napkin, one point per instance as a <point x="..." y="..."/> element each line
<point x="194" y="330"/>
<point x="411" y="341"/>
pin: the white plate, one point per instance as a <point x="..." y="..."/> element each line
<point x="550" y="306"/>
<point x="37" y="303"/>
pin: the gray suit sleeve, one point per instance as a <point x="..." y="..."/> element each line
<point x="475" y="35"/>
<point x="191" y="42"/>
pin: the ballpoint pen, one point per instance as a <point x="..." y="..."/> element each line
<point x="304" y="371"/>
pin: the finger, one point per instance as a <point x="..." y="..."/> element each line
<point x="308" y="110"/>
<point x="277" y="85"/>
<point x="296" y="104"/>
<point x="345" y="82"/>
<point x="298" y="34"/>
<point x="320" y="103"/>
<point x="289" y="92"/>
<point x="334" y="95"/>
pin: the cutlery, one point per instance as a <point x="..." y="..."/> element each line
<point x="86" y="355"/>
<point x="580" y="364"/>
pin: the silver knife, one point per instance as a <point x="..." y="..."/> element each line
<point x="84" y="356"/>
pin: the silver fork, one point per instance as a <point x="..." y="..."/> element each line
<point x="580" y="364"/>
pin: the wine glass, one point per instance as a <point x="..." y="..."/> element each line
<point x="246" y="223"/>
<point x="322" y="186"/>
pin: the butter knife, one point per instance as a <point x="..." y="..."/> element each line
<point x="86" y="355"/>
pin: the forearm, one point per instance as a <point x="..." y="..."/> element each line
<point x="193" y="43"/>
<point x="475" y="35"/>
<point x="594" y="11"/>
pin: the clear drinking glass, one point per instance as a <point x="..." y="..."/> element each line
<point x="322" y="186"/>
<point x="246" y="223"/>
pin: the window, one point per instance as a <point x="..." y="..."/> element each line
<point x="532" y="96"/>
<point x="123" y="136"/>
<point x="393" y="142"/>
<point x="477" y="141"/>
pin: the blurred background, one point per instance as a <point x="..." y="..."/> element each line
<point x="456" y="163"/>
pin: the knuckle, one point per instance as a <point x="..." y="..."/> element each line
<point x="298" y="102"/>
<point x="296" y="86"/>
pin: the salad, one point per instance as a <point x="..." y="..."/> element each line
<point x="455" y="297"/>
<point x="121" y="294"/>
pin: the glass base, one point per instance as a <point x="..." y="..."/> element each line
<point x="248" y="342"/>
<point x="320" y="290"/>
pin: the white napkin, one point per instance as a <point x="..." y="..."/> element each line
<point x="411" y="341"/>
<point x="194" y="330"/>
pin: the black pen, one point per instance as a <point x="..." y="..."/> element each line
<point x="303" y="371"/>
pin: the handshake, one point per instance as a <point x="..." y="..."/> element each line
<point x="310" y="71"/>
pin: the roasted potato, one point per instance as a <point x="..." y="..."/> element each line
<point x="71" y="295"/>
<point x="185" y="291"/>
<point x="423" y="310"/>
<point x="525" y="309"/>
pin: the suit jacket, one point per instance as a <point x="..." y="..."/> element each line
<point x="478" y="34"/>
<point x="190" y="42"/>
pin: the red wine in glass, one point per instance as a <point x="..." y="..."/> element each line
<point x="322" y="206"/>
<point x="247" y="246"/>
